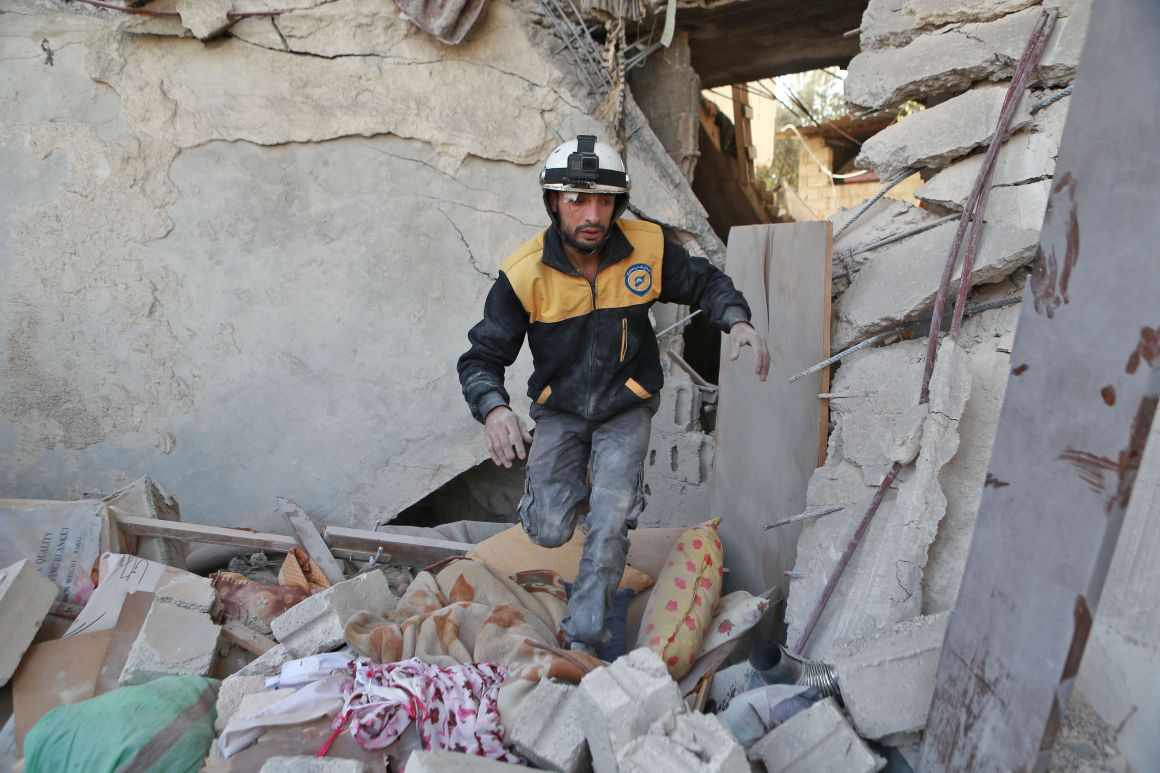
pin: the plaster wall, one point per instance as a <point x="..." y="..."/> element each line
<point x="247" y="266"/>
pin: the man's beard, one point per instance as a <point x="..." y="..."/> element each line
<point x="585" y="249"/>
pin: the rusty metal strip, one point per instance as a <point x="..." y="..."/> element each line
<point x="1079" y="403"/>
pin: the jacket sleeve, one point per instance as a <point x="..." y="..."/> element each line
<point x="495" y="342"/>
<point x="697" y="282"/>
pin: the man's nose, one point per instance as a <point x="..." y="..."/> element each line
<point x="591" y="212"/>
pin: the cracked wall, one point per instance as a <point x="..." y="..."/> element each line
<point x="247" y="266"/>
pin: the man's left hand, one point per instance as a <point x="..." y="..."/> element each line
<point x="743" y="334"/>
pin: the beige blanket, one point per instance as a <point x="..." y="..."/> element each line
<point x="463" y="612"/>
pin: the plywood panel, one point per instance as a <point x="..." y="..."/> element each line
<point x="767" y="433"/>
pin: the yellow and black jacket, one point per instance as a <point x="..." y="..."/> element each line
<point x="593" y="346"/>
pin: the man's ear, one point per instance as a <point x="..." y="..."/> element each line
<point x="554" y="200"/>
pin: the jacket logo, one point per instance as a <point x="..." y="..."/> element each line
<point x="638" y="278"/>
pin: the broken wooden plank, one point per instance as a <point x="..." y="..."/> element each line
<point x="310" y="540"/>
<point x="193" y="532"/>
<point x="247" y="638"/>
<point x="402" y="548"/>
<point x="767" y="432"/>
<point x="1078" y="405"/>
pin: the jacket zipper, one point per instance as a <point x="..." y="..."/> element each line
<point x="623" y="337"/>
<point x="592" y="352"/>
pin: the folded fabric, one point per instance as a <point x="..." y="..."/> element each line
<point x="734" y="614"/>
<point x="753" y="714"/>
<point x="296" y="673"/>
<point x="319" y="699"/>
<point x="455" y="708"/>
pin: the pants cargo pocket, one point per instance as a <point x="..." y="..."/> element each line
<point x="527" y="501"/>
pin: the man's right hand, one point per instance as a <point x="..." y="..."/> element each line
<point x="505" y="435"/>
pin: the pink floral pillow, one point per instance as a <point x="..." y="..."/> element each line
<point x="681" y="604"/>
<point x="736" y="613"/>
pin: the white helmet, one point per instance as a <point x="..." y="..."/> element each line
<point x="584" y="165"/>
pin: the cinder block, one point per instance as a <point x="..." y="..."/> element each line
<point x="547" y="731"/>
<point x="173" y="641"/>
<point x="888" y="680"/>
<point x="441" y="761"/>
<point x="311" y="764"/>
<point x="621" y="701"/>
<point x="684" y="743"/>
<point x="316" y="624"/>
<point x="268" y="664"/>
<point x="818" y="738"/>
<point x="26" y="596"/>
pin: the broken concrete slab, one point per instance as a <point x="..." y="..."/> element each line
<point x="818" y="738"/>
<point x="547" y="731"/>
<point x="268" y="664"/>
<point x="442" y="761"/>
<point x="1022" y="206"/>
<point x="1027" y="156"/>
<point x="888" y="679"/>
<point x="949" y="60"/>
<point x="313" y="764"/>
<point x="25" y="599"/>
<point x="934" y="137"/>
<point x="193" y="593"/>
<point x="233" y="689"/>
<point x="684" y="743"/>
<point x="928" y="13"/>
<point x="316" y="624"/>
<point x="205" y="18"/>
<point x="899" y="282"/>
<point x="886" y="24"/>
<point x="173" y="641"/>
<point x="621" y="701"/>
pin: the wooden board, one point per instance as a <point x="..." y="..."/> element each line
<point x="55" y="673"/>
<point x="767" y="433"/>
<point x="402" y="549"/>
<point x="1079" y="403"/>
<point x="306" y="533"/>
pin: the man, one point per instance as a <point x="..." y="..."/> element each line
<point x="581" y="290"/>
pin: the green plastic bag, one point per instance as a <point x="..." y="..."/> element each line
<point x="163" y="725"/>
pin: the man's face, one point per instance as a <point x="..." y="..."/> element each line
<point x="584" y="217"/>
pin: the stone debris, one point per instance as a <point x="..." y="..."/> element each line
<point x="547" y="731"/>
<point x="316" y="624"/>
<point x="233" y="690"/>
<point x="949" y="60"/>
<point x="888" y="679"/>
<point x="268" y="664"/>
<point x="205" y="18"/>
<point x="442" y="761"/>
<point x="934" y="137"/>
<point x="25" y="599"/>
<point x="684" y="743"/>
<point x="177" y="637"/>
<point x="886" y="24"/>
<point x="816" y="739"/>
<point x="621" y="702"/>
<point x="313" y="764"/>
<point x="899" y="282"/>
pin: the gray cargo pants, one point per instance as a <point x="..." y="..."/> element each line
<point x="556" y="490"/>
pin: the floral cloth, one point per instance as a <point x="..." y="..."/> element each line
<point x="455" y="707"/>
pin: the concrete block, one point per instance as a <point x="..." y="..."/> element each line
<point x="684" y="743"/>
<point x="934" y="137"/>
<point x="193" y="593"/>
<point x="312" y="764"/>
<point x="687" y="457"/>
<point x="888" y="680"/>
<point x="233" y="689"/>
<point x="441" y="761"/>
<point x="547" y="731"/>
<point x="316" y="624"/>
<point x="1027" y="156"/>
<point x="268" y="664"/>
<point x="621" y="701"/>
<point x="818" y="738"/>
<point x="900" y="281"/>
<point x="948" y="61"/>
<point x="26" y="596"/>
<point x="172" y="641"/>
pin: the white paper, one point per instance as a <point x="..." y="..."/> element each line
<point x="120" y="575"/>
